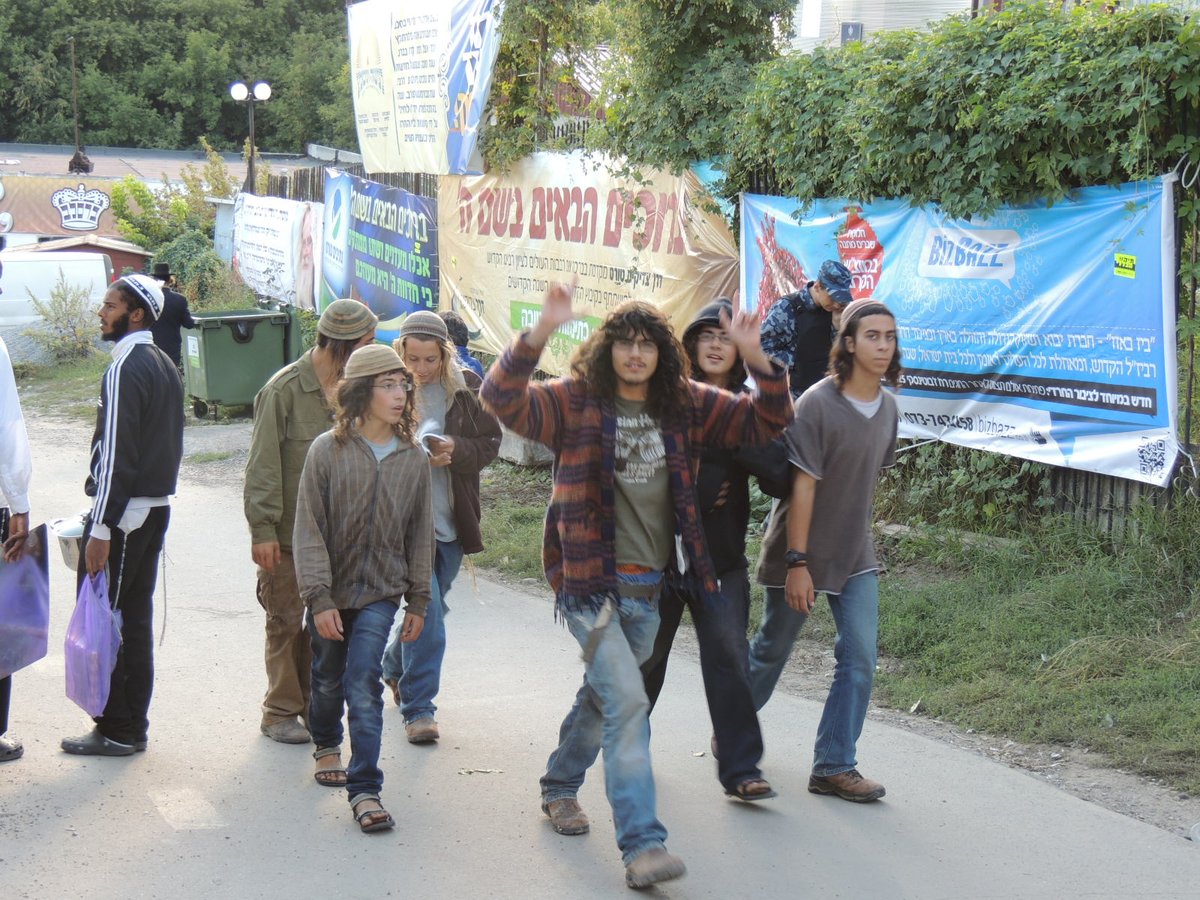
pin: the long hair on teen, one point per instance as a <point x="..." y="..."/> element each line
<point x="841" y="360"/>
<point x="592" y="361"/>
<point x="354" y="400"/>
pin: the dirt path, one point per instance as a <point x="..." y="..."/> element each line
<point x="216" y="455"/>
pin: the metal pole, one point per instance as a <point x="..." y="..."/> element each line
<point x="249" y="185"/>
<point x="74" y="91"/>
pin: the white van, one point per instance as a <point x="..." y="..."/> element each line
<point x="31" y="272"/>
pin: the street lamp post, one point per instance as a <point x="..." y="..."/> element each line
<point x="260" y="93"/>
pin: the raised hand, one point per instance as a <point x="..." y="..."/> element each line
<point x="743" y="328"/>
<point x="556" y="311"/>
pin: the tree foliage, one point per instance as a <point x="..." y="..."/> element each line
<point x="152" y="218"/>
<point x="1030" y="102"/>
<point x="522" y="108"/>
<point x="156" y="73"/>
<point x="680" y="71"/>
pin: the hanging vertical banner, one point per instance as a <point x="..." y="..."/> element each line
<point x="273" y="247"/>
<point x="421" y="71"/>
<point x="555" y="217"/>
<point x="1042" y="332"/>
<point x="380" y="246"/>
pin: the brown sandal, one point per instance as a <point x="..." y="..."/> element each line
<point x="382" y="818"/>
<point x="329" y="776"/>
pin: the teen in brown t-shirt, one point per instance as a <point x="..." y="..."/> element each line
<point x="819" y="540"/>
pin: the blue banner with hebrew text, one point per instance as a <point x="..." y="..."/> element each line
<point x="1045" y="332"/>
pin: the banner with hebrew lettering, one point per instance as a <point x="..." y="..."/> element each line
<point x="1045" y="332"/>
<point x="379" y="246"/>
<point x="273" y="247"/>
<point x="555" y="217"/>
<point x="420" y="75"/>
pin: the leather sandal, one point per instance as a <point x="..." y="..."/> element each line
<point x="752" y="789"/>
<point x="329" y="776"/>
<point x="364" y="820"/>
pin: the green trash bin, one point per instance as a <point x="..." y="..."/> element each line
<point x="229" y="355"/>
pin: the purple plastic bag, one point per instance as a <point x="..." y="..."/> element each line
<point x="24" y="614"/>
<point x="93" y="639"/>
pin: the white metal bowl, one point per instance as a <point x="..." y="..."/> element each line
<point x="69" y="532"/>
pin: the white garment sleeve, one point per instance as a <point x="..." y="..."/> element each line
<point x="16" y="465"/>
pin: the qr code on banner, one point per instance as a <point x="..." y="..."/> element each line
<point x="1152" y="457"/>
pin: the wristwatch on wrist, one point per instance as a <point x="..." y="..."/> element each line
<point x="795" y="558"/>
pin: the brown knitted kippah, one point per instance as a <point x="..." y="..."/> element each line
<point x="346" y="320"/>
<point x="373" y="359"/>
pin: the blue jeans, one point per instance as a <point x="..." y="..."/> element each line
<point x="345" y="673"/>
<point x="611" y="711"/>
<point x="856" y="614"/>
<point x="418" y="665"/>
<point x="721" y="631"/>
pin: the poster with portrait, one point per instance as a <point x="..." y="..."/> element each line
<point x="274" y="247"/>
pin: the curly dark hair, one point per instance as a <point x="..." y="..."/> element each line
<point x="592" y="360"/>
<point x="841" y="360"/>
<point x="354" y="399"/>
<point x="456" y="327"/>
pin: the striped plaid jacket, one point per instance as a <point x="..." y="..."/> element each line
<point x="580" y="428"/>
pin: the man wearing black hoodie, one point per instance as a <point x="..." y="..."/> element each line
<point x="723" y="492"/>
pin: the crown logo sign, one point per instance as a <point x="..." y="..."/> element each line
<point x="79" y="209"/>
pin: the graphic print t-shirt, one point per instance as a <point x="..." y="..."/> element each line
<point x="645" y="525"/>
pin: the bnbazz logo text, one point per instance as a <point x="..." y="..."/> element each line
<point x="79" y="209"/>
<point x="969" y="253"/>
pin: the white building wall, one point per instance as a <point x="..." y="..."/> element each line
<point x="820" y="21"/>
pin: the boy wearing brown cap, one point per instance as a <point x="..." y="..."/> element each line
<point x="447" y="405"/>
<point x="363" y="540"/>
<point x="289" y="412"/>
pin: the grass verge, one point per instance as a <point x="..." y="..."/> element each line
<point x="210" y="456"/>
<point x="514" y="507"/>
<point x="1055" y="639"/>
<point x="69" y="389"/>
<point x="1052" y="637"/>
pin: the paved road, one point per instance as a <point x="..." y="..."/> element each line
<point x="215" y="810"/>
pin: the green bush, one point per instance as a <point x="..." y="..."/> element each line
<point x="957" y="487"/>
<point x="1003" y="108"/>
<point x="307" y="319"/>
<point x="204" y="278"/>
<point x="68" y="329"/>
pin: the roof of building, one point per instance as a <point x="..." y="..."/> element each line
<point x="89" y="240"/>
<point x="151" y="166"/>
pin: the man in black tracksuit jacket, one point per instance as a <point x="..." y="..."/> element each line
<point x="136" y="453"/>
